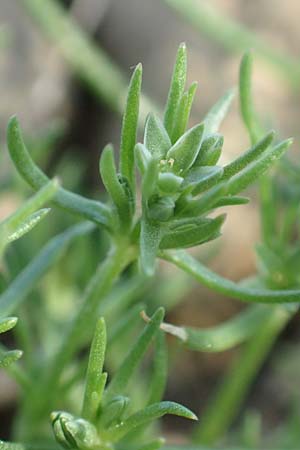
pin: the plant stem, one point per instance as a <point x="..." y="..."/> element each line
<point x="234" y="388"/>
<point x="40" y="399"/>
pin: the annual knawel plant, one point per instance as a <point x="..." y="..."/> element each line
<point x="163" y="197"/>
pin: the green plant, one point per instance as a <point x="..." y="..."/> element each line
<point x="181" y="186"/>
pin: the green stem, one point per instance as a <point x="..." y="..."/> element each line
<point x="230" y="396"/>
<point x="40" y="400"/>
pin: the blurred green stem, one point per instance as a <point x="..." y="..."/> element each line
<point x="235" y="37"/>
<point x="230" y="396"/>
<point x="39" y="400"/>
<point x="88" y="60"/>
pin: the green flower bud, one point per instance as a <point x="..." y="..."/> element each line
<point x="161" y="208"/>
<point x="169" y="183"/>
<point x="74" y="433"/>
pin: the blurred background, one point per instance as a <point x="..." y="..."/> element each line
<point x="67" y="82"/>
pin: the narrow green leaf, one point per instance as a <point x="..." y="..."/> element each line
<point x="210" y="150"/>
<point x="246" y="102"/>
<point x="28" y="224"/>
<point x="149" y="243"/>
<point x="149" y="181"/>
<point x="220" y="284"/>
<point x="142" y="157"/>
<point x="160" y="369"/>
<point x="176" y="88"/>
<point x="156" y="138"/>
<point x="199" y="179"/>
<point x="26" y="280"/>
<point x="74" y="203"/>
<point x="184" y="152"/>
<point x="230" y="201"/>
<point x="27" y="216"/>
<point x="147" y="415"/>
<point x="224" y="336"/>
<point x="193" y="235"/>
<point x="114" y="188"/>
<point x="8" y="358"/>
<point x="94" y="377"/>
<point x="7" y="324"/>
<point x="121" y="378"/>
<point x="254" y="170"/>
<point x="248" y="157"/>
<point x="129" y="126"/>
<point x="183" y="112"/>
<point x="217" y="113"/>
<point x="189" y="207"/>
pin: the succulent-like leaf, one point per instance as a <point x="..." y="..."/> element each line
<point x="217" y="113"/>
<point x="160" y="369"/>
<point x="199" y="179"/>
<point x="191" y="235"/>
<point x="74" y="203"/>
<point x="224" y="336"/>
<point x="246" y="102"/>
<point x="230" y="201"/>
<point x="254" y="170"/>
<point x="28" y="224"/>
<point x="7" y="324"/>
<point x="95" y="379"/>
<point x="147" y="415"/>
<point x="183" y="112"/>
<point x="110" y="179"/>
<point x="149" y="181"/>
<point x="176" y="88"/>
<point x="227" y="287"/>
<point x="189" y="207"/>
<point x="184" y="152"/>
<point x="210" y="150"/>
<point x="142" y="157"/>
<point x="129" y="126"/>
<point x="248" y="157"/>
<point x="27" y="216"/>
<point x="156" y="138"/>
<point x="8" y="358"/>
